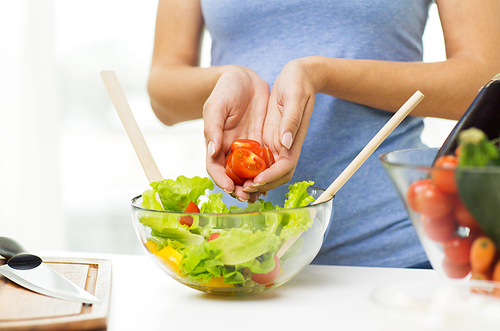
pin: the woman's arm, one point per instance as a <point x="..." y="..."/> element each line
<point x="177" y="86"/>
<point x="232" y="100"/>
<point x="471" y="31"/>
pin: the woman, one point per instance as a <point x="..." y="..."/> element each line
<point x="318" y="79"/>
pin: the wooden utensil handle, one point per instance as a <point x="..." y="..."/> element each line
<point x="131" y="127"/>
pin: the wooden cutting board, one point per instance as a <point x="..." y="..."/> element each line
<point x="22" y="309"/>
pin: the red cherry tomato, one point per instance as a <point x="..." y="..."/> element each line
<point x="247" y="164"/>
<point x="213" y="236"/>
<point x="443" y="173"/>
<point x="464" y="217"/>
<point x="245" y="143"/>
<point x="413" y="190"/>
<point x="266" y="154"/>
<point x="455" y="271"/>
<point x="270" y="276"/>
<point x="191" y="208"/>
<point x="457" y="250"/>
<point x="429" y="200"/>
<point x="439" y="229"/>
<point x="229" y="171"/>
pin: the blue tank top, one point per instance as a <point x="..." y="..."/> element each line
<point x="369" y="226"/>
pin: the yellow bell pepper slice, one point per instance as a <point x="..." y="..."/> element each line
<point x="171" y="258"/>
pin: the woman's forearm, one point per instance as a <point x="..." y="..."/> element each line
<point x="178" y="92"/>
<point x="449" y="86"/>
<point x="471" y="30"/>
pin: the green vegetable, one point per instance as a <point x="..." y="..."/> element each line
<point x="478" y="180"/>
<point x="180" y="234"/>
<point x="241" y="246"/>
<point x="214" y="205"/>
<point x="298" y="196"/>
<point x="246" y="244"/>
<point x="175" y="195"/>
<point x="477" y="149"/>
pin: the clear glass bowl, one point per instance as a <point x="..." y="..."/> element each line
<point x="415" y="305"/>
<point x="446" y="239"/>
<point x="302" y="252"/>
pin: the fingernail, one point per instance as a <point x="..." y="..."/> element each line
<point x="241" y="200"/>
<point x="228" y="192"/>
<point x="286" y="140"/>
<point x="250" y="189"/>
<point x="211" y="148"/>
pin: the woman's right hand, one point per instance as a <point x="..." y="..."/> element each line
<point x="236" y="109"/>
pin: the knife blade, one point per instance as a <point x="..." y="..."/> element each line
<point x="29" y="271"/>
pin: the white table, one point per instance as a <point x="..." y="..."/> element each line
<point x="319" y="298"/>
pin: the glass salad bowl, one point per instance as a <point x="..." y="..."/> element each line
<point x="227" y="248"/>
<point x="452" y="212"/>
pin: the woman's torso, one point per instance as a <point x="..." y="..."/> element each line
<point x="369" y="225"/>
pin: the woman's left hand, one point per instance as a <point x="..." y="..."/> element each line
<point x="290" y="107"/>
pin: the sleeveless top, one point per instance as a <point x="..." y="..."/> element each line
<point x="369" y="225"/>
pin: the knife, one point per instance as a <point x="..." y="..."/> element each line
<point x="29" y="271"/>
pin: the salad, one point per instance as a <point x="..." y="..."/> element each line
<point x="202" y="241"/>
<point x="459" y="207"/>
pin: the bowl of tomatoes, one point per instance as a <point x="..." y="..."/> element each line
<point x="451" y="209"/>
<point x="213" y="243"/>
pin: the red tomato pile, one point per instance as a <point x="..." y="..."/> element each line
<point x="442" y="213"/>
<point x="247" y="159"/>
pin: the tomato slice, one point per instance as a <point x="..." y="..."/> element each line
<point x="191" y="208"/>
<point x="270" y="276"/>
<point x="266" y="154"/>
<point x="229" y="171"/>
<point x="247" y="164"/>
<point x="245" y="143"/>
<point x="213" y="236"/>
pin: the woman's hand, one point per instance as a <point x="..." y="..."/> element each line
<point x="290" y="107"/>
<point x="235" y="109"/>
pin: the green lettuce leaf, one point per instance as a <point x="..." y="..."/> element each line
<point x="298" y="196"/>
<point x="175" y="195"/>
<point x="214" y="205"/>
<point x="239" y="246"/>
<point x="149" y="200"/>
<point x="201" y="263"/>
<point x="180" y="234"/>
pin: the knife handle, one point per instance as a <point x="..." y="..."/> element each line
<point x="17" y="256"/>
<point x="10" y="248"/>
